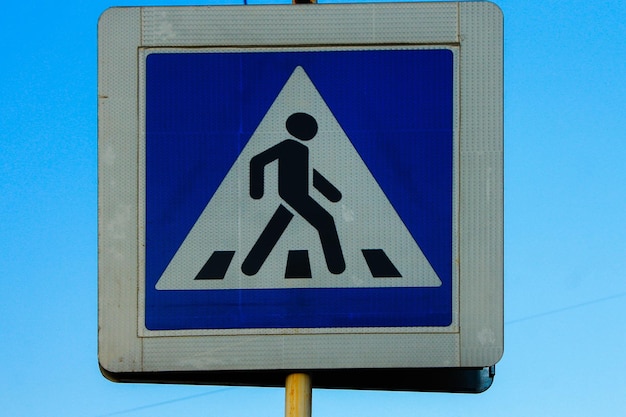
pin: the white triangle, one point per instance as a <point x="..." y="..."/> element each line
<point x="364" y="218"/>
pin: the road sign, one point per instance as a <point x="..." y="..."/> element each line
<point x="280" y="198"/>
<point x="364" y="220"/>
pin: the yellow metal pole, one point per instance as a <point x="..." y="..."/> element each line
<point x="298" y="393"/>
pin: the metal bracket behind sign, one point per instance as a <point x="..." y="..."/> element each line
<point x="454" y="380"/>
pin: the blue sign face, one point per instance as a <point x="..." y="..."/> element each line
<point x="396" y="108"/>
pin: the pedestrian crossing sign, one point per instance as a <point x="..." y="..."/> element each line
<point x="360" y="210"/>
<point x="281" y="185"/>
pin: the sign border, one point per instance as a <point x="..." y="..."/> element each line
<point x="475" y="28"/>
<point x="143" y="331"/>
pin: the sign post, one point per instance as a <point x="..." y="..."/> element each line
<point x="316" y="190"/>
<point x="298" y="395"/>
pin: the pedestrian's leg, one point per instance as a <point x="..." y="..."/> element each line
<point x="324" y="223"/>
<point x="266" y="241"/>
<point x="331" y="247"/>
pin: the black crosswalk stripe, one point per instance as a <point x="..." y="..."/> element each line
<point x="298" y="265"/>
<point x="379" y="264"/>
<point x="216" y="266"/>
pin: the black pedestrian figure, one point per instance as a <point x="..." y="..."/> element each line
<point x="293" y="188"/>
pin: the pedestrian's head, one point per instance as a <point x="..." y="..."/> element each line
<point x="301" y="126"/>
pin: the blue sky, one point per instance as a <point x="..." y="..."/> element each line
<point x="565" y="228"/>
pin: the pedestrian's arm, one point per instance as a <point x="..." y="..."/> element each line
<point x="257" y="175"/>
<point x="325" y="187"/>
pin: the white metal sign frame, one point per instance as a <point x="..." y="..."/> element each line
<point x="473" y="338"/>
